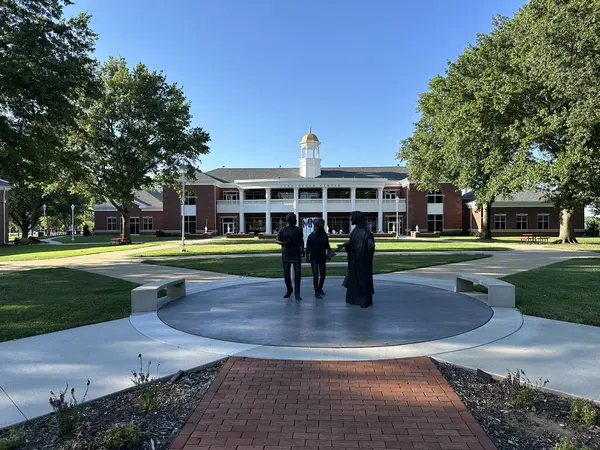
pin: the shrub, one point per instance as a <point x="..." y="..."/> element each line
<point x="122" y="436"/>
<point x="67" y="412"/>
<point x="17" y="241"/>
<point x="34" y="240"/>
<point x="14" y="440"/>
<point x="520" y="390"/>
<point x="86" y="230"/>
<point x="583" y="411"/>
<point x="160" y="233"/>
<point x="566" y="444"/>
<point x="592" y="226"/>
<point x="148" y="385"/>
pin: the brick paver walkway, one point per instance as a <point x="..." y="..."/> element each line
<point x="272" y="404"/>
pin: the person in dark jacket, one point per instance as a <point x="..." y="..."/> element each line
<point x="291" y="240"/>
<point x="317" y="247"/>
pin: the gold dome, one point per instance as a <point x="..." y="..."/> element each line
<point x="309" y="137"/>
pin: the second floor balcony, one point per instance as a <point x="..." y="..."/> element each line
<point x="332" y="205"/>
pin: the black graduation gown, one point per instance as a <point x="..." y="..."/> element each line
<point x="359" y="281"/>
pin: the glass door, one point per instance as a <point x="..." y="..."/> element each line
<point x="134" y="225"/>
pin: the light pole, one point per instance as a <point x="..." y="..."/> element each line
<point x="182" y="208"/>
<point x="397" y="218"/>
<point x="45" y="223"/>
<point x="72" y="222"/>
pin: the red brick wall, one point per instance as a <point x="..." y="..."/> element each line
<point x="453" y="208"/>
<point x="171" y="210"/>
<point x="511" y="220"/>
<point x="417" y="208"/>
<point x="206" y="207"/>
<point x="100" y="219"/>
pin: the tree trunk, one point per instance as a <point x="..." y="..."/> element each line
<point x="125" y="231"/>
<point x="486" y="221"/>
<point x="567" y="232"/>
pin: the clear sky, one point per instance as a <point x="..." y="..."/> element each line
<point x="259" y="72"/>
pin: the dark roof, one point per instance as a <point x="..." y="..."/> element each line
<point x="227" y="175"/>
<point x="146" y="199"/>
<point x="521" y="196"/>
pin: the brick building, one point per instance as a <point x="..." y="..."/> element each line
<point x="256" y="200"/>
<point x="4" y="188"/>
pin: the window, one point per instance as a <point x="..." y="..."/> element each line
<point x="435" y="197"/>
<point x="338" y="225"/>
<point x="435" y="222"/>
<point x="255" y="194"/>
<point x="521" y="221"/>
<point x="338" y="193"/>
<point x="499" y="221"/>
<point x="255" y="223"/>
<point x="231" y="195"/>
<point x="189" y="224"/>
<point x="390" y="195"/>
<point x="190" y="197"/>
<point x="366" y="194"/>
<point x="310" y="194"/>
<point x="147" y="223"/>
<point x="111" y="224"/>
<point x="543" y="221"/>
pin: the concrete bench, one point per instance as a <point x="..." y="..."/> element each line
<point x="149" y="297"/>
<point x="500" y="293"/>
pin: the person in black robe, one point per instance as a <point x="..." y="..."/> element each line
<point x="291" y="240"/>
<point x="317" y="246"/>
<point x="360" y="249"/>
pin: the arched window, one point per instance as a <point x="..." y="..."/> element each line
<point x="190" y="197"/>
<point x="435" y="197"/>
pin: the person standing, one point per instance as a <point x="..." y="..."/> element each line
<point x="291" y="240"/>
<point x="360" y="249"/>
<point x="317" y="247"/>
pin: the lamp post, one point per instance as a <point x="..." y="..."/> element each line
<point x="45" y="223"/>
<point x="182" y="208"/>
<point x="72" y="222"/>
<point x="397" y="218"/>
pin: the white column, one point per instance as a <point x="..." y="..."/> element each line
<point x="241" y="224"/>
<point x="324" y="214"/>
<point x="268" y="211"/>
<point x="380" y="210"/>
<point x="353" y="199"/>
<point x="296" y="203"/>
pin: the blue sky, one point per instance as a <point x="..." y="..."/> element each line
<point x="259" y="72"/>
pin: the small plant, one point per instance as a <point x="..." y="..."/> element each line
<point x="67" y="412"/>
<point x="149" y="388"/>
<point x="122" y="436"/>
<point x="584" y="411"/>
<point x="86" y="230"/>
<point x="520" y="390"/>
<point x="14" y="440"/>
<point x="566" y="444"/>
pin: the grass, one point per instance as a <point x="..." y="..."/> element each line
<point x="106" y="238"/>
<point x="49" y="251"/>
<point x="271" y="267"/>
<point x="44" y="300"/>
<point x="586" y="244"/>
<point x="249" y="246"/>
<point x="567" y="291"/>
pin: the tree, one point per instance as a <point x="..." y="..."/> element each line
<point x="25" y="207"/>
<point x="556" y="54"/>
<point x="136" y="134"/>
<point x="464" y="135"/>
<point x="45" y="67"/>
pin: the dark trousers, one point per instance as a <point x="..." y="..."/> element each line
<point x="318" y="272"/>
<point x="287" y="275"/>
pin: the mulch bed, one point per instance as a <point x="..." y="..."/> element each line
<point x="175" y="402"/>
<point x="538" y="427"/>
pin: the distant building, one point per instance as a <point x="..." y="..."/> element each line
<point x="4" y="188"/>
<point x="256" y="200"/>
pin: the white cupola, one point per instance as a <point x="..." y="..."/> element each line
<point x="310" y="159"/>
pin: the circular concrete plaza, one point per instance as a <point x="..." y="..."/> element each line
<point x="257" y="313"/>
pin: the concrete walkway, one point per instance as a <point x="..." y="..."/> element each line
<point x="567" y="354"/>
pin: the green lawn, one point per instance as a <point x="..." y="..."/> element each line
<point x="44" y="300"/>
<point x="270" y="267"/>
<point x="49" y="251"/>
<point x="586" y="244"/>
<point x="249" y="246"/>
<point x="566" y="291"/>
<point x="106" y="238"/>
